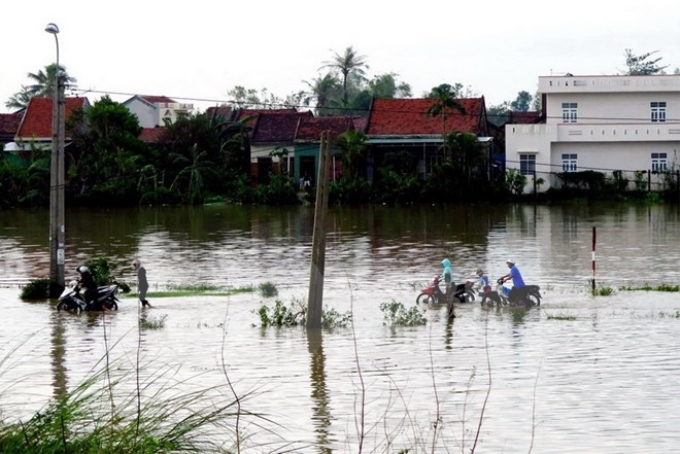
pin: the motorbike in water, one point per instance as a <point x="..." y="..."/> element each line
<point x="432" y="294"/>
<point x="465" y="292"/>
<point x="527" y="296"/>
<point x="72" y="300"/>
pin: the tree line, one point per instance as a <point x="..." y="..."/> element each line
<point x="200" y="158"/>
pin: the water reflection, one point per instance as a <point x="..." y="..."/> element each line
<point x="321" y="416"/>
<point x="58" y="355"/>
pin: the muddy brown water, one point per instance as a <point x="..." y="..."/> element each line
<point x="582" y="373"/>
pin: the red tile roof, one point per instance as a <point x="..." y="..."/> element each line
<point x="151" y="135"/>
<point x="309" y="129"/>
<point x="37" y="121"/>
<point x="277" y="127"/>
<point x="155" y="99"/>
<point x="9" y="125"/>
<point x="409" y="117"/>
<point x="242" y="113"/>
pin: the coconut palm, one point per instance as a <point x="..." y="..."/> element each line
<point x="326" y="90"/>
<point x="43" y="85"/>
<point x="348" y="63"/>
<point x="444" y="97"/>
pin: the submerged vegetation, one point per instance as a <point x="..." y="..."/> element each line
<point x="603" y="291"/>
<point x="396" y="314"/>
<point x="200" y="289"/>
<point x="649" y="288"/>
<point x="268" y="290"/>
<point x="281" y="315"/>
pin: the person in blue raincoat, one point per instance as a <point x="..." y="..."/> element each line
<point x="447" y="277"/>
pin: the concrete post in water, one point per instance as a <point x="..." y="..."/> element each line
<point x="316" y="275"/>
<point x="57" y="227"/>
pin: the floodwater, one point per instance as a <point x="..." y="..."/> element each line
<point x="581" y="373"/>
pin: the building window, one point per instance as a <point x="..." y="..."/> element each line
<point x="569" y="112"/>
<point x="658" y="111"/>
<point x="569" y="162"/>
<point x="527" y="164"/>
<point x="659" y="162"/>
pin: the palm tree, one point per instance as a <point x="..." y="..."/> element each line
<point x="42" y="86"/>
<point x="352" y="146"/>
<point x="195" y="170"/>
<point x="444" y="101"/>
<point x="349" y="62"/>
<point x="326" y="90"/>
<point x="235" y="145"/>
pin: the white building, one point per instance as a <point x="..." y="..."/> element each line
<point x="153" y="111"/>
<point x="600" y="123"/>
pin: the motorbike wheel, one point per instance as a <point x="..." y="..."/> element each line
<point x="424" y="298"/>
<point x="62" y="306"/>
<point x="533" y="300"/>
<point x="112" y="305"/>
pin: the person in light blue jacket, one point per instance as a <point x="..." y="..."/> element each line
<point x="447" y="277"/>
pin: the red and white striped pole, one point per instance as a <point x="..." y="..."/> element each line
<point x="593" y="254"/>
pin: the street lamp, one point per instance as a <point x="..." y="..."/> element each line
<point x="57" y="228"/>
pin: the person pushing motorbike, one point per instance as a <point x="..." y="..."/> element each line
<point x="87" y="282"/>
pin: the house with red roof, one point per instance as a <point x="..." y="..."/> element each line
<point x="153" y="111"/>
<point x="308" y="141"/>
<point x="36" y="125"/>
<point x="271" y="131"/>
<point x="404" y="125"/>
<point x="9" y="125"/>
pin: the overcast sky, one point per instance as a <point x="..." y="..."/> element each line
<point x="196" y="51"/>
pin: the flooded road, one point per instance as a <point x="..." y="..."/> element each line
<point x="582" y="373"/>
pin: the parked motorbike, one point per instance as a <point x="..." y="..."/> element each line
<point x="72" y="300"/>
<point x="432" y="294"/>
<point x="527" y="296"/>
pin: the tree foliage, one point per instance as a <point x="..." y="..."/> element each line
<point x="443" y="105"/>
<point x="640" y="65"/>
<point x="42" y="84"/>
<point x="350" y="62"/>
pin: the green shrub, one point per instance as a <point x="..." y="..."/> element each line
<point x="268" y="290"/>
<point x="603" y="291"/>
<point x="395" y="314"/>
<point x="281" y="315"/>
<point x="40" y="289"/>
<point x="295" y="315"/>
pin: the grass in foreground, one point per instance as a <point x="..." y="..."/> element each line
<point x="89" y="420"/>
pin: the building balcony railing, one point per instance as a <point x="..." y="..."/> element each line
<point x="575" y="132"/>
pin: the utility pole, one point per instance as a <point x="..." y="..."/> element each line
<point x="57" y="225"/>
<point x="315" y="296"/>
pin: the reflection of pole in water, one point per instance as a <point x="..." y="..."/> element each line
<point x="57" y="354"/>
<point x="321" y="419"/>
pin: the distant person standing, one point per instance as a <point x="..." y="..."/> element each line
<point x="142" y="283"/>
